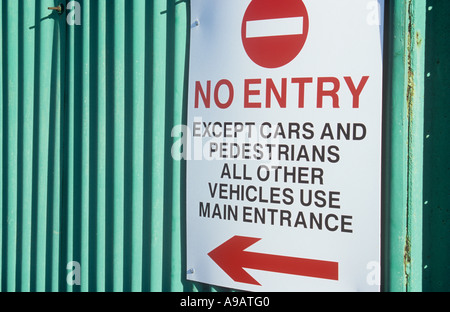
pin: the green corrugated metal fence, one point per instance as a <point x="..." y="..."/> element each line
<point x="86" y="173"/>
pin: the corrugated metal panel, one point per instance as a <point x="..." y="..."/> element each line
<point x="87" y="174"/>
<point x="32" y="46"/>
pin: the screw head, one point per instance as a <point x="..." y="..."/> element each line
<point x="59" y="9"/>
<point x="190" y="271"/>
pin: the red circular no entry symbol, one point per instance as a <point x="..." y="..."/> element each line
<point x="274" y="31"/>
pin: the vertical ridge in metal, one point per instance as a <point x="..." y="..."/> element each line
<point x="404" y="221"/>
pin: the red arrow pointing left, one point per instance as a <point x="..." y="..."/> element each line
<point x="232" y="258"/>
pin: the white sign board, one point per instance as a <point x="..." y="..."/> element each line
<point x="284" y="144"/>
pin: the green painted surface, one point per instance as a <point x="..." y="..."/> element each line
<point x="86" y="172"/>
<point x="436" y="191"/>
<point x="403" y="142"/>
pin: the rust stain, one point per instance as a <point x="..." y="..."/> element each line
<point x="409" y="48"/>
<point x="418" y="39"/>
<point x="407" y="257"/>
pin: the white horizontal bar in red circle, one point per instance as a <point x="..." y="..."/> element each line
<point x="275" y="27"/>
